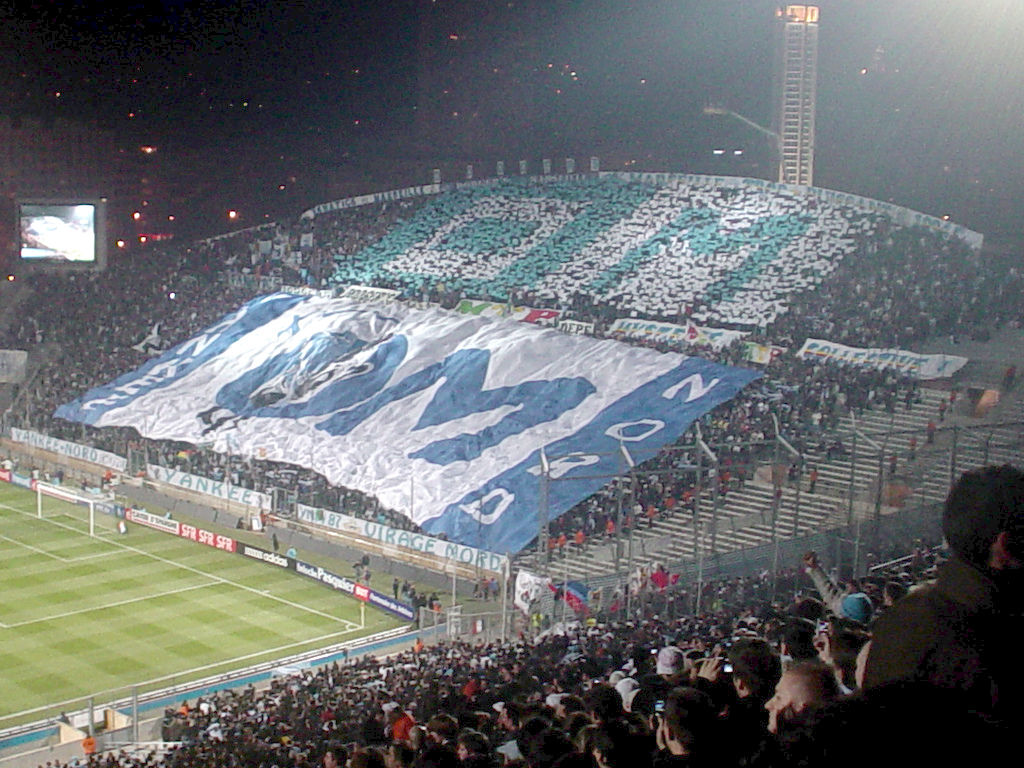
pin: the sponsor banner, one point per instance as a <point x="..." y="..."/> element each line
<point x="371" y="396"/>
<point x="332" y="580"/>
<point x="5" y="475"/>
<point x="415" y="542"/>
<point x="23" y="480"/>
<point x="908" y="363"/>
<point x="358" y="591"/>
<point x="673" y="333"/>
<point x="12" y="365"/>
<point x="210" y="539"/>
<point x="265" y="556"/>
<point x="142" y="517"/>
<point x="576" y="327"/>
<point x="484" y="308"/>
<point x="367" y="294"/>
<point x="762" y="354"/>
<point x="71" y="450"/>
<point x="220" y="489"/>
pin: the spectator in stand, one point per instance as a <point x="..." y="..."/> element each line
<point x="961" y="632"/>
<point x="687" y="732"/>
<point x="846" y="603"/>
<point x="805" y="685"/>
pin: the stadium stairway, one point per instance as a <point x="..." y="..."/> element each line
<point x="745" y="514"/>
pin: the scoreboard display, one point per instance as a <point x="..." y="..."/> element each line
<point x="62" y="233"/>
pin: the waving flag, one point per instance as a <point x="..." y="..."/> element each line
<point x="441" y="416"/>
<point x="575" y="594"/>
<point x="528" y="588"/>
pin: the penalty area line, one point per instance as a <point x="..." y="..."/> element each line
<point x="351" y="625"/>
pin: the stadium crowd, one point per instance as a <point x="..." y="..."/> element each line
<point x="913" y="663"/>
<point x="865" y="281"/>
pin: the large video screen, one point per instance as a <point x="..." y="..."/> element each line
<point x="61" y="232"/>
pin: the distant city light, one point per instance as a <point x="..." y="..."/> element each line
<point x="232" y="214"/>
<point x="136" y="215"/>
<point x="147" y="149"/>
<point x="120" y="243"/>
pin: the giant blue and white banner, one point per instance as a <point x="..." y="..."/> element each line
<point x="371" y="396"/>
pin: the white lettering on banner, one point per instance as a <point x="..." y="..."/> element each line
<point x="204" y="485"/>
<point x="565" y="464"/>
<point x="71" y="450"/>
<point x="618" y="431"/>
<point x="696" y="385"/>
<point x="266" y="557"/>
<point x="339" y="583"/>
<point x="920" y="366"/>
<point x="475" y="509"/>
<point x="415" y="542"/>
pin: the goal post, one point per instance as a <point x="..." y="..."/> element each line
<point x="75" y="505"/>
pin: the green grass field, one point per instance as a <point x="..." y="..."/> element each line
<point x="82" y="615"/>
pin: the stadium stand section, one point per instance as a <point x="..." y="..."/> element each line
<point x="781" y="264"/>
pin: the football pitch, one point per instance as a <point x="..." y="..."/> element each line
<point x="83" y="615"/>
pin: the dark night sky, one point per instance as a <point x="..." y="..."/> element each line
<point x="933" y="123"/>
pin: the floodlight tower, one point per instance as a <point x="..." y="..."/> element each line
<point x="796" y="92"/>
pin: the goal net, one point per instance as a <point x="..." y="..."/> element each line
<point x="86" y="514"/>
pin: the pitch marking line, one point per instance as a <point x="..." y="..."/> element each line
<point x="58" y="558"/>
<point x="351" y="625"/>
<point x="92" y="608"/>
